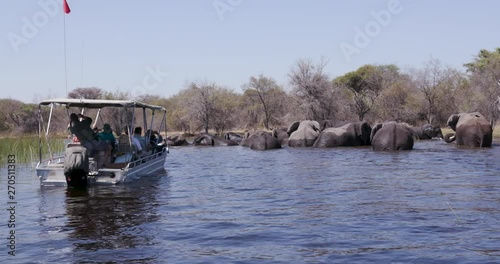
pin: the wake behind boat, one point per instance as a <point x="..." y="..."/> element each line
<point x="79" y="166"/>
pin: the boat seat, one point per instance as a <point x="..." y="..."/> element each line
<point x="125" y="153"/>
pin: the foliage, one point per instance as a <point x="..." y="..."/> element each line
<point x="365" y="84"/>
<point x="26" y="148"/>
<point x="267" y="98"/>
<point x="484" y="73"/>
<point x="313" y="90"/>
<point x="86" y="93"/>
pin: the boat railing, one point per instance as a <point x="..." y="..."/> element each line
<point x="145" y="159"/>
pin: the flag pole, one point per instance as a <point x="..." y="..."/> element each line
<point x="66" y="10"/>
<point x="65" y="60"/>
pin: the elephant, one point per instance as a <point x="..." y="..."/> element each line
<point x="304" y="135"/>
<point x="391" y="136"/>
<point x="327" y="123"/>
<point x="261" y="140"/>
<point x="282" y="135"/>
<point x="427" y="131"/>
<point x="351" y="134"/>
<point x="233" y="136"/>
<point x="177" y="141"/>
<point x="471" y="130"/>
<point x="204" y="139"/>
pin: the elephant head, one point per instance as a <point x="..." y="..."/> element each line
<point x="452" y="121"/>
<point x="204" y="140"/>
<point x="363" y="131"/>
<point x="282" y="135"/>
<point x="427" y="131"/>
<point x="292" y="127"/>
<point x="471" y="129"/>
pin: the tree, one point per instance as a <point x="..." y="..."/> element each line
<point x="314" y="92"/>
<point x="118" y="118"/>
<point x="484" y="73"/>
<point x="86" y="93"/>
<point x="202" y="102"/>
<point x="268" y="94"/>
<point x="433" y="82"/>
<point x="225" y="107"/>
<point x="365" y="84"/>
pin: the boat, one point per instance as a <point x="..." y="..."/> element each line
<point x="54" y="169"/>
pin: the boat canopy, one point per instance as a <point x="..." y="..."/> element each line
<point x="97" y="104"/>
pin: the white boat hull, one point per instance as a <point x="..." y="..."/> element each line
<point x="52" y="173"/>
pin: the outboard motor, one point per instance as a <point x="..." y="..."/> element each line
<point x="76" y="166"/>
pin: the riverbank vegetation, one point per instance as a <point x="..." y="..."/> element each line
<point x="375" y="93"/>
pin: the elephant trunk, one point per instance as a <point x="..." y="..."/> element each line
<point x="450" y="137"/>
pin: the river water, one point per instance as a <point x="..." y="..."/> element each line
<point x="435" y="204"/>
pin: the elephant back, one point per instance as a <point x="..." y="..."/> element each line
<point x="265" y="141"/>
<point x="305" y="135"/>
<point x="392" y="136"/>
<point x="472" y="129"/>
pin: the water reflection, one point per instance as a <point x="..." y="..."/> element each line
<point x="114" y="220"/>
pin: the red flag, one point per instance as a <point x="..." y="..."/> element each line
<point x="66" y="7"/>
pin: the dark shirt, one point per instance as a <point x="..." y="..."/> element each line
<point x="82" y="130"/>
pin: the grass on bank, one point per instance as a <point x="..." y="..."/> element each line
<point x="26" y="148"/>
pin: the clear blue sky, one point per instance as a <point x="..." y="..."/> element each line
<point x="114" y="44"/>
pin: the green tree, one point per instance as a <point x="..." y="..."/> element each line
<point x="365" y="84"/>
<point x="484" y="73"/>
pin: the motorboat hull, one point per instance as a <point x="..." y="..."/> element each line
<point x="52" y="173"/>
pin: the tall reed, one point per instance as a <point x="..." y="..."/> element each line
<point x="26" y="149"/>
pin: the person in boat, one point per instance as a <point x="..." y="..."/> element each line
<point x="140" y="138"/>
<point x="152" y="138"/>
<point x="155" y="143"/>
<point x="79" y="126"/>
<point x="123" y="140"/>
<point x="107" y="135"/>
<point x="159" y="137"/>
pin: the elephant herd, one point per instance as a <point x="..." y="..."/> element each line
<point x="470" y="129"/>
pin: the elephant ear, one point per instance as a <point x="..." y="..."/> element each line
<point x="293" y="127"/>
<point x="374" y="131"/>
<point x="366" y="131"/>
<point x="315" y="125"/>
<point x="428" y="130"/>
<point x="452" y="121"/>
<point x="275" y="133"/>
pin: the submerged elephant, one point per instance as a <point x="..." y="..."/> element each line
<point x="177" y="141"/>
<point x="304" y="134"/>
<point x="471" y="130"/>
<point x="204" y="139"/>
<point x="282" y="135"/>
<point x="261" y="140"/>
<point x="351" y="134"/>
<point x="233" y="136"/>
<point x="427" y="131"/>
<point x="392" y="136"/>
